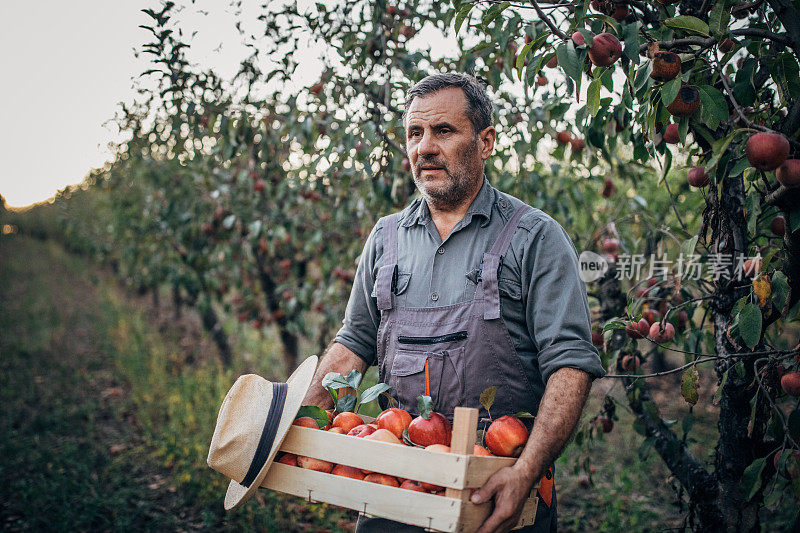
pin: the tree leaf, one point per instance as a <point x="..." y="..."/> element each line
<point x="319" y="414"/>
<point x="670" y="90"/>
<point x="487" y="397"/>
<point x="335" y="380"/>
<point x="719" y="20"/>
<point x="346" y="403"/>
<point x="763" y="288"/>
<point x="569" y="60"/>
<point x="689" y="383"/>
<point x="593" y="96"/>
<point x="718" y="394"/>
<point x="751" y="478"/>
<point x="425" y="406"/>
<point x="463" y="14"/>
<point x="354" y="378"/>
<point x="523" y="414"/>
<point x="687" y="24"/>
<point x="714" y="102"/>
<point x="373" y="392"/>
<point x="750" y="324"/>
<point x="780" y="289"/>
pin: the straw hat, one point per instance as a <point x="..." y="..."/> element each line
<point x="252" y="423"/>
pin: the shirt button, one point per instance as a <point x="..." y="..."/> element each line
<point x="434" y="296"/>
<point x="440" y="251"/>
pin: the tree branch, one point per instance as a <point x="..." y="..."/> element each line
<point x="546" y="20"/>
<point x="781" y="38"/>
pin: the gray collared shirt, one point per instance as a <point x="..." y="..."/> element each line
<point x="542" y="298"/>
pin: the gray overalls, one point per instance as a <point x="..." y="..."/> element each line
<point x="465" y="346"/>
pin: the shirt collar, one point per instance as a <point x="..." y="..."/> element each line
<point x="480" y="206"/>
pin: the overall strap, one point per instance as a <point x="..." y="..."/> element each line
<point x="386" y="273"/>
<point x="489" y="287"/>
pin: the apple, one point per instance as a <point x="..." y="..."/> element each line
<point x="666" y="66"/>
<point x="347" y="421"/>
<point x="407" y="31"/>
<point x="605" y="50"/>
<point x="541" y="81"/>
<point x="662" y="336"/>
<point x="441" y="448"/>
<point x="671" y="134"/>
<point x="306" y="422"/>
<point x="406" y="164"/>
<point x="552" y="63"/>
<point x="382" y="479"/>
<point x="288" y="459"/>
<point x="778" y="226"/>
<point x="610" y="245"/>
<point x="599" y="5"/>
<point x="340" y="431"/>
<point x="311" y="463"/>
<point x="412" y="485"/>
<point x="316" y="88"/>
<point x="347" y="471"/>
<point x="563" y="137"/>
<point x="686" y="103"/>
<point x="577" y="145"/>
<point x="726" y="46"/>
<point x="391" y="10"/>
<point x="260" y="185"/>
<point x="791" y="463"/>
<point x="506" y="436"/>
<point x="638" y="330"/>
<point x="434" y="430"/>
<point x="698" y="177"/>
<point x="788" y="173"/>
<point x="608" y="188"/>
<point x="751" y="267"/>
<point x="790" y="383"/>
<point x="767" y="151"/>
<point x="620" y="13"/>
<point x="604" y="423"/>
<point x="395" y="420"/>
<point x="578" y="38"/>
<point x="384" y="435"/>
<point x="597" y="339"/>
<point x="362" y="430"/>
<point x="630" y="362"/>
<point x="480" y="450"/>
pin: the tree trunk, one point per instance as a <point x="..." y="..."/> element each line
<point x="213" y="326"/>
<point x="291" y="349"/>
<point x="177" y="301"/>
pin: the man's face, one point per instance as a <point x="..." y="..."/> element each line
<point x="445" y="153"/>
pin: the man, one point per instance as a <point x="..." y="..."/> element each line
<point x="469" y="288"/>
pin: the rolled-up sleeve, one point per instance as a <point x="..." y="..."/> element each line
<point x="359" y="331"/>
<point x="557" y="310"/>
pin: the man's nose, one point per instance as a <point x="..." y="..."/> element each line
<point x="427" y="145"/>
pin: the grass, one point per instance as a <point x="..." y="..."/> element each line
<point x="107" y="416"/>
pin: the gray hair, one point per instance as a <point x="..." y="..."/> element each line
<point x="479" y="107"/>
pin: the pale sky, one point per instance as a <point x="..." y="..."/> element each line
<point x="66" y="66"/>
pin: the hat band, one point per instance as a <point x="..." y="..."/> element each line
<point x="268" y="434"/>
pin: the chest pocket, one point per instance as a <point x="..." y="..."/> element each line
<point x="403" y="278"/>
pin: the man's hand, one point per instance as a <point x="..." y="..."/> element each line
<point x="509" y="487"/>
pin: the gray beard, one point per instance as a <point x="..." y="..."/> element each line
<point x="460" y="187"/>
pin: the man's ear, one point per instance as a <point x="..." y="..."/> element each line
<point x="486" y="139"/>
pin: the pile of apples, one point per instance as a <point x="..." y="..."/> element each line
<point x="505" y="437"/>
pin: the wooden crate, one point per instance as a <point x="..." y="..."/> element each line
<point x="458" y="471"/>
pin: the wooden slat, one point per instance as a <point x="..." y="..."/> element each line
<point x="480" y="468"/>
<point x="473" y="516"/>
<point x="407" y="506"/>
<point x="445" y="469"/>
<point x="465" y="425"/>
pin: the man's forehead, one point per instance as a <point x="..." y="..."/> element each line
<point x="445" y="105"/>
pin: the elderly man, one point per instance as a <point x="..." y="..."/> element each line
<point x="469" y="288"/>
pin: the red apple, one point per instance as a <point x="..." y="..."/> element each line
<point x="578" y="38"/>
<point x="604" y="423"/>
<point x="767" y="151"/>
<point x="778" y="226"/>
<point x="788" y="173"/>
<point x="412" y="485"/>
<point x="311" y="463"/>
<point x="662" y="336"/>
<point x="306" y="422"/>
<point x="666" y="66"/>
<point x="347" y="471"/>
<point x="382" y="479"/>
<point x="630" y="362"/>
<point x="288" y="459"/>
<point x="435" y="430"/>
<point x="698" y="177"/>
<point x="605" y="51"/>
<point x="347" y="421"/>
<point x="563" y="137"/>
<point x="395" y="420"/>
<point x="671" y="134"/>
<point x="362" y="431"/>
<point x="790" y="383"/>
<point x="506" y="436"/>
<point x="608" y="188"/>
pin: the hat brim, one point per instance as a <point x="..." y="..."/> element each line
<point x="298" y="384"/>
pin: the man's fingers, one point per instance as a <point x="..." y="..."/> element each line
<point x="499" y="520"/>
<point x="485" y="493"/>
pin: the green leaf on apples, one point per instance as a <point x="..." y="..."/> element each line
<point x="593" y="96"/>
<point x="780" y="289"/>
<point x="334" y="380"/>
<point x="690" y="381"/>
<point x="346" y="403"/>
<point x="425" y="406"/>
<point x="719" y="21"/>
<point x="407" y="440"/>
<point x="568" y="59"/>
<point x="373" y="392"/>
<point x="687" y="24"/>
<point x="487" y="397"/>
<point x="714" y="102"/>
<point x="354" y="378"/>
<point x="750" y="324"/>
<point x="333" y="393"/>
<point x="523" y="414"/>
<point x="463" y="14"/>
<point x="613" y="324"/>
<point x="319" y="414"/>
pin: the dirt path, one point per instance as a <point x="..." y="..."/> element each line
<point x="65" y="431"/>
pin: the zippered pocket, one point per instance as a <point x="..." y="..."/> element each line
<point x="448" y="337"/>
